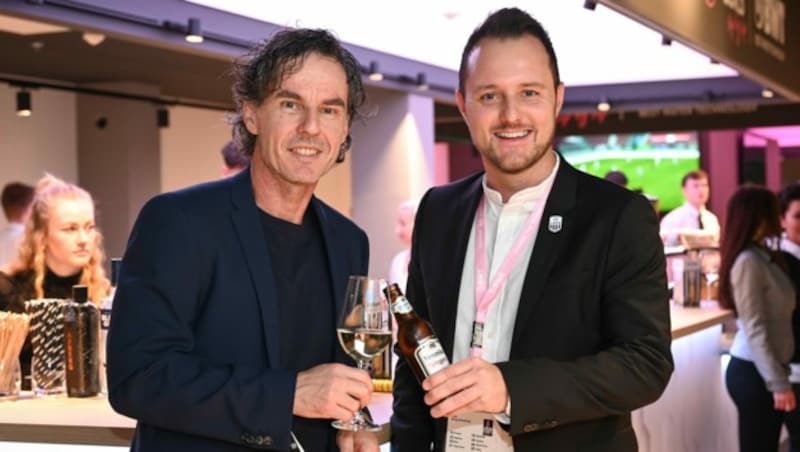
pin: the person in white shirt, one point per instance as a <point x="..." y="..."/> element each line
<point x="692" y="218"/>
<point x="404" y="226"/>
<point x="545" y="286"/>
<point x="17" y="199"/>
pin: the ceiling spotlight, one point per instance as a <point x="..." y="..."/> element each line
<point x="603" y="105"/>
<point x="374" y="74"/>
<point x="93" y="39"/>
<point x="194" y="32"/>
<point x="422" y="82"/>
<point x="24" y="104"/>
<point x="162" y="117"/>
<point x="767" y="93"/>
<point x="590" y="5"/>
<point x="665" y="40"/>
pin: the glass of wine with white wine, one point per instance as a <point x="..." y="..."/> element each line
<point x="364" y="330"/>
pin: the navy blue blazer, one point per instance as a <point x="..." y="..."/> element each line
<point x="591" y="340"/>
<point x="193" y="348"/>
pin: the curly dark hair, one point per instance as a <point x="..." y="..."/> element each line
<point x="507" y="23"/>
<point x="261" y="71"/>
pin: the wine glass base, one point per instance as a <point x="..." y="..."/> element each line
<point x="351" y="426"/>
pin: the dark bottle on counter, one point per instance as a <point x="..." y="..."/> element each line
<point x="81" y="342"/>
<point x="691" y="281"/>
<point x="415" y="337"/>
<point x="105" y="320"/>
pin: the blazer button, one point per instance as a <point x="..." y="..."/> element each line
<point x="531" y="427"/>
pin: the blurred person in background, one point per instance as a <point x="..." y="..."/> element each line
<point x="790" y="245"/>
<point x="17" y="199"/>
<point x="692" y="218"/>
<point x="755" y="285"/>
<point x="61" y="247"/>
<point x="404" y="226"/>
<point x="233" y="159"/>
<point x="618" y="177"/>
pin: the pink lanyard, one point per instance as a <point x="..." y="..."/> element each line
<point x="485" y="296"/>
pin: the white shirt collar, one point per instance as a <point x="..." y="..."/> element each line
<point x="790" y="247"/>
<point x="523" y="198"/>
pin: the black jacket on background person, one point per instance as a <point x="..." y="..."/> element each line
<point x="591" y="341"/>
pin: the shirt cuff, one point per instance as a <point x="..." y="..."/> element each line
<point x="505" y="417"/>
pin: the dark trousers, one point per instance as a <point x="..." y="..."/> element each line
<point x="759" y="422"/>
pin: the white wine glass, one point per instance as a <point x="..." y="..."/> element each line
<point x="364" y="331"/>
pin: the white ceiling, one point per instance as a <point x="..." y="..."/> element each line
<point x="593" y="47"/>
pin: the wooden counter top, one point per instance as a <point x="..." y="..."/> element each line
<point x="59" y="419"/>
<point x="686" y="321"/>
<point x="63" y="420"/>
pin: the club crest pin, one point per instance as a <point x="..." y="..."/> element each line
<point x="555" y="223"/>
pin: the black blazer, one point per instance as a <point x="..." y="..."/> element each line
<point x="193" y="350"/>
<point x="591" y="341"/>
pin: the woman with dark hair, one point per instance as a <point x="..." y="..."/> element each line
<point x="790" y="245"/>
<point x="754" y="284"/>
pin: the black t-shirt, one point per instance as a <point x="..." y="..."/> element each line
<point x="307" y="320"/>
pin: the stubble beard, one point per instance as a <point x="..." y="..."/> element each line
<point x="530" y="159"/>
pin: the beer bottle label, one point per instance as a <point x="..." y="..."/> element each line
<point x="401" y="305"/>
<point x="430" y="356"/>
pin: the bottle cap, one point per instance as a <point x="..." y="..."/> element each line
<point x="80" y="294"/>
<point x="392" y="291"/>
<point x="115" y="264"/>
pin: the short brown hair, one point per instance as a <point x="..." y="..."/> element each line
<point x="16" y="198"/>
<point x="694" y="175"/>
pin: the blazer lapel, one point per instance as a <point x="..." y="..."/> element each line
<point x="247" y="223"/>
<point x="546" y="248"/>
<point x="337" y="267"/>
<point x="464" y="213"/>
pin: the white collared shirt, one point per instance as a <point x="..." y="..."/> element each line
<point x="503" y="224"/>
<point x="10" y="238"/>
<point x="685" y="218"/>
<point x="790" y="247"/>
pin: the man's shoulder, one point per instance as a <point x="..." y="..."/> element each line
<point x="456" y="188"/>
<point x="201" y="197"/>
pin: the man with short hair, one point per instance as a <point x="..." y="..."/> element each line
<point x="17" y="200"/>
<point x="223" y="334"/>
<point x="233" y="160"/>
<point x="692" y="218"/>
<point x="545" y="285"/>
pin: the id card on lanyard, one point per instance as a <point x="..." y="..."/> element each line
<point x="482" y="431"/>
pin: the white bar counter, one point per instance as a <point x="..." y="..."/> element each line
<point x="686" y="418"/>
<point x="695" y="413"/>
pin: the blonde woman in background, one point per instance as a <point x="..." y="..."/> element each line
<point x="61" y="247"/>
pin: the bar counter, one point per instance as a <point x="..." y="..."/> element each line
<point x="686" y="410"/>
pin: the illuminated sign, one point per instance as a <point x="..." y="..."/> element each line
<point x="759" y="38"/>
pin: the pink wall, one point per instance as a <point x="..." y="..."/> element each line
<point x="721" y="159"/>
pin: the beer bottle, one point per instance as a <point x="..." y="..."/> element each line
<point x="418" y="344"/>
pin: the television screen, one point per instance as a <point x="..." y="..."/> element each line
<point x="653" y="163"/>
